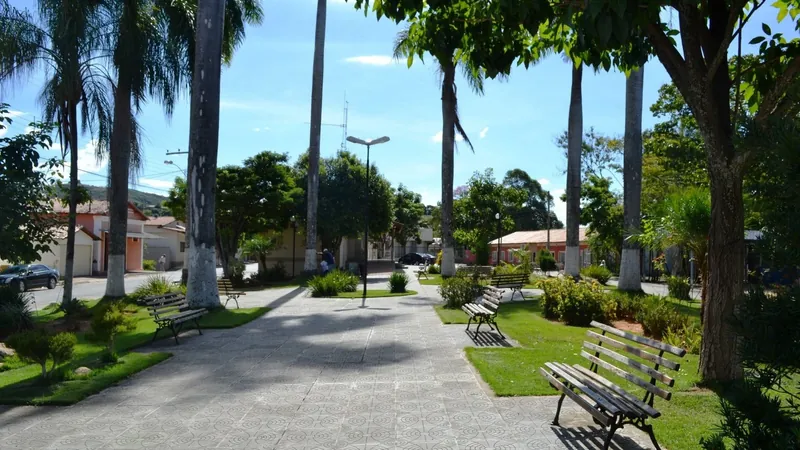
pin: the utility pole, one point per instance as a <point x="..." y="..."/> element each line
<point x="185" y="268"/>
<point x="549" y="198"/>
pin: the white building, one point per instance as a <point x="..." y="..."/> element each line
<point x="168" y="238"/>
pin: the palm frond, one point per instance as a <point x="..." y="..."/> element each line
<point x="23" y="44"/>
<point x="402" y="45"/>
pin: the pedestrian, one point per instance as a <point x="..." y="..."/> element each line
<point x="162" y="263"/>
<point x="327" y="258"/>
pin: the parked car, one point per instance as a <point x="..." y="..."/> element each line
<point x="26" y="276"/>
<point x="416" y="259"/>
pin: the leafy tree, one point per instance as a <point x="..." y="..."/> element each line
<point x="26" y="218"/>
<point x="475" y="212"/>
<point x="408" y="211"/>
<point x="260" y="246"/>
<point x="533" y="214"/>
<point x="434" y="219"/>
<point x="601" y="155"/>
<point x="176" y="200"/>
<point x="109" y="320"/>
<point x="37" y="347"/>
<point x="602" y="210"/>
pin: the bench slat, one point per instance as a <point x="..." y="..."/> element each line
<point x="669" y="381"/>
<point x="628" y="408"/>
<point x="640" y="339"/>
<point x="166" y="302"/>
<point x="666" y="395"/>
<point x="591" y="393"/>
<point x="622" y="392"/>
<point x="602" y="418"/>
<point x="182" y="316"/>
<point x="635" y="351"/>
<point x="167" y="310"/>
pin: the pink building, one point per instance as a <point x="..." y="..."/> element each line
<point x="537" y="240"/>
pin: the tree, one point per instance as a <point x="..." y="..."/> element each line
<point x="26" y="217"/>
<point x="533" y="214"/>
<point x="572" y="264"/>
<point x="602" y="211"/>
<point x="408" y="211"/>
<point x="312" y="192"/>
<point x="66" y="39"/>
<point x="600" y="154"/>
<point x="630" y="268"/>
<point x="260" y="246"/>
<point x="201" y="289"/>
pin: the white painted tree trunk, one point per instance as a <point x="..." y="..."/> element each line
<point x="630" y="277"/>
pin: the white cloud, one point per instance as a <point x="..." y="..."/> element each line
<point x="13" y="113"/>
<point x="160" y="184"/>
<point x="484" y="131"/>
<point x="371" y="60"/>
<point x="87" y="160"/>
<point x="3" y="131"/>
<point x="543" y="181"/>
<point x="259" y="129"/>
<point x="559" y="207"/>
<point x="438" y="137"/>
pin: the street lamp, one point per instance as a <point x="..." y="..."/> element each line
<point x="370" y="143"/>
<point x="499" y="238"/>
<point x="170" y="163"/>
<point x="294" y="244"/>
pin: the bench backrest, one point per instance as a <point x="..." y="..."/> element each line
<point x="606" y="341"/>
<point x="491" y="298"/>
<point x="509" y="279"/>
<point x="166" y="304"/>
<point x="224" y="284"/>
<point x="146" y="301"/>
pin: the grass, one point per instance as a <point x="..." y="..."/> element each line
<point x="691" y="413"/>
<point x="71" y="391"/>
<point x="432" y="280"/>
<point x="87" y="352"/>
<point x="374" y="293"/>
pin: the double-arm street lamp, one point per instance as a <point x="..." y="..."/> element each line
<point x="368" y="143"/>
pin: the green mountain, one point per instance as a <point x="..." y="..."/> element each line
<point x="150" y="204"/>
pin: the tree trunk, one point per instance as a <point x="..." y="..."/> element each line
<point x="572" y="264"/>
<point x="119" y="169"/>
<point x="448" y="149"/>
<point x="313" y="146"/>
<point x="69" y="261"/>
<point x="630" y="278"/>
<point x="201" y="289"/>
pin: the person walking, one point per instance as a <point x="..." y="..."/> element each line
<point x="162" y="263"/>
<point x="329" y="263"/>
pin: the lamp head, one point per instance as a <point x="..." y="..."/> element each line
<point x="167" y="161"/>
<point x="497" y="216"/>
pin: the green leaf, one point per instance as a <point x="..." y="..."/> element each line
<point x="766" y="29"/>
<point x="604" y="29"/>
<point x="410" y="60"/>
<point x="757" y="39"/>
<point x="673" y="33"/>
<point x="782" y="14"/>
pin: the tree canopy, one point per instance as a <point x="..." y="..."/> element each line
<point x="532" y="214"/>
<point x="408" y="211"/>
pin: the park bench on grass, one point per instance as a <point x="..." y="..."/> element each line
<point x="172" y="311"/>
<point x="485" y="311"/>
<point x="513" y="281"/>
<point x="225" y="288"/>
<point x="422" y="271"/>
<point x="610" y="405"/>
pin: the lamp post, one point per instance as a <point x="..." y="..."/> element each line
<point x="369" y="143"/>
<point x="185" y="268"/>
<point x="499" y="238"/>
<point x="549" y="199"/>
<point x="294" y="244"/>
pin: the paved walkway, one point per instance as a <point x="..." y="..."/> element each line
<point x="313" y="373"/>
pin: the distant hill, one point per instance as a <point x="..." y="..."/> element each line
<point x="150" y="204"/>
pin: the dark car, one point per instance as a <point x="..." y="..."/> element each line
<point x="26" y="276"/>
<point x="415" y="259"/>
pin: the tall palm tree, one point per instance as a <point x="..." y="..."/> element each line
<point x="66" y="40"/>
<point x="313" y="146"/>
<point x="630" y="270"/>
<point x="404" y="47"/>
<point x="574" y="144"/>
<point x="201" y="288"/>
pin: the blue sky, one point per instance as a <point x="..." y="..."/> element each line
<point x="266" y="93"/>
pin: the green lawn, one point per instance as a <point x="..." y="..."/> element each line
<point x="432" y="280"/>
<point x="691" y="413"/>
<point x="374" y="293"/>
<point x="87" y="353"/>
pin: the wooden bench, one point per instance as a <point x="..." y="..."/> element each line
<point x="485" y="311"/>
<point x="610" y="405"/>
<point x="422" y="271"/>
<point x="225" y="288"/>
<point x="513" y="281"/>
<point x="172" y="311"/>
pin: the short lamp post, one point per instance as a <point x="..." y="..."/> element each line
<point x="499" y="238"/>
<point x="368" y="143"/>
<point x="294" y="244"/>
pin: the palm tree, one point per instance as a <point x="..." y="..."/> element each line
<point x="451" y="124"/>
<point x="313" y="146"/>
<point x="201" y="288"/>
<point x="630" y="270"/>
<point x="572" y="264"/>
<point x="67" y="42"/>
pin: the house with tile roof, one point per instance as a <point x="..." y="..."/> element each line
<point x="537" y="240"/>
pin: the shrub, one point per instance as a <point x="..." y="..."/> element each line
<point x="37" y="347"/>
<point x="627" y="305"/>
<point x="555" y="290"/>
<point x="657" y="316"/>
<point x="689" y="337"/>
<point x="154" y="285"/>
<point x="458" y="291"/>
<point x="15" y="311"/>
<point x="108" y="321"/>
<point x="504" y="268"/>
<point x="584" y="303"/>
<point x="272" y="274"/>
<point x="398" y="282"/>
<point x="149" y="264"/>
<point x="434" y="269"/>
<point x="599" y="273"/>
<point x="678" y="287"/>
<point x="344" y="281"/>
<point x="546" y="260"/>
<point x="74" y="308"/>
<point x="332" y="283"/>
<point x="237" y="269"/>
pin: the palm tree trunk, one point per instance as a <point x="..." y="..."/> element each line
<point x="448" y="150"/>
<point x="574" y="144"/>
<point x="630" y="278"/>
<point x="119" y="167"/>
<point x="72" y="136"/>
<point x="201" y="289"/>
<point x="313" y="146"/>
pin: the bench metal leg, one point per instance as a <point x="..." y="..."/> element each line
<point x="469" y="322"/>
<point x="649" y="429"/>
<point x="197" y="325"/>
<point x="610" y="435"/>
<point x="498" y="330"/>
<point x="480" y="322"/>
<point x="558" y="409"/>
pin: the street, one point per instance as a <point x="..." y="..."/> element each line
<point x="91" y="288"/>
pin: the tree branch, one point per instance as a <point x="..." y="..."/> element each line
<point x="669" y="56"/>
<point x="771" y="100"/>
<point x="730" y="35"/>
<point x="692" y="29"/>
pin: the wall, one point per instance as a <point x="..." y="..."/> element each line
<point x="56" y="258"/>
<point x="133" y="254"/>
<point x="169" y="244"/>
<point x="283" y="253"/>
<point x="559" y="252"/>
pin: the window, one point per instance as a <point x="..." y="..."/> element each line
<point x="183" y="246"/>
<point x="561" y="256"/>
